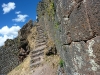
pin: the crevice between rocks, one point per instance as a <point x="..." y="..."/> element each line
<point x="80" y="40"/>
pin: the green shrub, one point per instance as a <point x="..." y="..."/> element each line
<point x="51" y="10"/>
<point x="61" y="63"/>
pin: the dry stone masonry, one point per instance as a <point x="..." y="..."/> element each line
<point x="75" y="28"/>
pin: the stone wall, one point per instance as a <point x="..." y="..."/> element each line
<point x="74" y="26"/>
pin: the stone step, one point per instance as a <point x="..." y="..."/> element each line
<point x="35" y="64"/>
<point x="34" y="60"/>
<point x="41" y="41"/>
<point x="42" y="37"/>
<point x="33" y="52"/>
<point x="37" y="54"/>
<point x="40" y="48"/>
<point x="40" y="31"/>
<point x="37" y="40"/>
<point x="40" y="51"/>
<point x="41" y="34"/>
<point x="40" y="44"/>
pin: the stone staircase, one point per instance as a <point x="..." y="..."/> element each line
<point x="37" y="54"/>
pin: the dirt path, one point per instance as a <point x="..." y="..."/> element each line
<point x="46" y="69"/>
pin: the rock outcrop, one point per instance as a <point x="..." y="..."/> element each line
<point x="14" y="51"/>
<point x="24" y="47"/>
<point x="9" y="56"/>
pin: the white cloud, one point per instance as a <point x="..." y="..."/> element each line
<point x="20" y="18"/>
<point x="8" y="7"/>
<point x="4" y="38"/>
<point x="8" y="33"/>
<point x="17" y="12"/>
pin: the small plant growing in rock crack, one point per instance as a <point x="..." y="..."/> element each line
<point x="56" y="25"/>
<point x="61" y="63"/>
<point x="57" y="41"/>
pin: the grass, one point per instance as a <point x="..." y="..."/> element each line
<point x="22" y="69"/>
<point x="51" y="10"/>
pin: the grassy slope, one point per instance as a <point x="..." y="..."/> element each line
<point x="22" y="69"/>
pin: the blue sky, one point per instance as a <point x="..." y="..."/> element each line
<point x="13" y="15"/>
